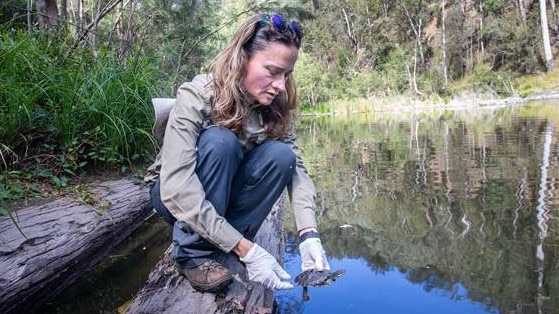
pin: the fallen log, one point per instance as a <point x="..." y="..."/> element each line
<point x="55" y="243"/>
<point x="166" y="291"/>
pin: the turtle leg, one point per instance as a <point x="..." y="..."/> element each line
<point x="306" y="295"/>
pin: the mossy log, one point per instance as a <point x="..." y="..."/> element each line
<point x="166" y="291"/>
<point x="49" y="246"/>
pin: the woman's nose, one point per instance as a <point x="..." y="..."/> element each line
<point x="279" y="84"/>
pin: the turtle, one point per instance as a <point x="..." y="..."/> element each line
<point x="316" y="278"/>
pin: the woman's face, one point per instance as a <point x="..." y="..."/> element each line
<point x="267" y="70"/>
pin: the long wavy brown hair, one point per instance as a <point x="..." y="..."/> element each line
<point x="230" y="105"/>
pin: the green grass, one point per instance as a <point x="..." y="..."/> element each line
<point x="542" y="82"/>
<point x="63" y="117"/>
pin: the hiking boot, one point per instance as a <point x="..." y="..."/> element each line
<point x="210" y="276"/>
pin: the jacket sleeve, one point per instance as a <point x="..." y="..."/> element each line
<point x="301" y="191"/>
<point x="181" y="190"/>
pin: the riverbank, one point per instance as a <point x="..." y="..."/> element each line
<point x="402" y="104"/>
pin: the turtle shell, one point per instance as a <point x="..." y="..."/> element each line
<point x="316" y="278"/>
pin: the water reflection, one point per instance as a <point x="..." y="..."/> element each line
<point x="114" y="281"/>
<point x="368" y="289"/>
<point x="462" y="202"/>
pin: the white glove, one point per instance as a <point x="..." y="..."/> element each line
<point x="264" y="269"/>
<point x="313" y="255"/>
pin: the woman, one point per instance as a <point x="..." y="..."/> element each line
<point x="229" y="152"/>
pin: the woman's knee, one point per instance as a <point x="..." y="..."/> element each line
<point x="218" y="141"/>
<point x="281" y="155"/>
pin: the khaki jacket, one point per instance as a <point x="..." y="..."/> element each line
<point x="175" y="164"/>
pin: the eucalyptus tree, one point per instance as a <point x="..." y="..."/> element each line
<point x="549" y="62"/>
<point x="416" y="21"/>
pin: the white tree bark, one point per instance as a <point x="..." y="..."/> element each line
<point x="416" y="28"/>
<point x="549" y="62"/>
<point x="543" y="210"/>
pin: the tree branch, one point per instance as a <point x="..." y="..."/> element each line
<point x="108" y="8"/>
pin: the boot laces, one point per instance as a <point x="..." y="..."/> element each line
<point x="210" y="265"/>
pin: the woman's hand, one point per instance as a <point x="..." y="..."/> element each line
<point x="263" y="268"/>
<point x="313" y="255"/>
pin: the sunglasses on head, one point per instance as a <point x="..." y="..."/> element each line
<point x="281" y="25"/>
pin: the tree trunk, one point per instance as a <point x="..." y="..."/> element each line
<point x="418" y="47"/>
<point x="443" y="32"/>
<point x="77" y="17"/>
<point x="350" y="33"/>
<point x="416" y="27"/>
<point x="554" y="22"/>
<point x="481" y="56"/>
<point x="53" y="244"/>
<point x="95" y="32"/>
<point x="549" y="62"/>
<point x="29" y="19"/>
<point x="47" y="13"/>
<point x="126" y="31"/>
<point x="166" y="291"/>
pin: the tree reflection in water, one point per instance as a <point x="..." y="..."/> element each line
<point x="452" y="201"/>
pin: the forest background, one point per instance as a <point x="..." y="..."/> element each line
<point x="77" y="76"/>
